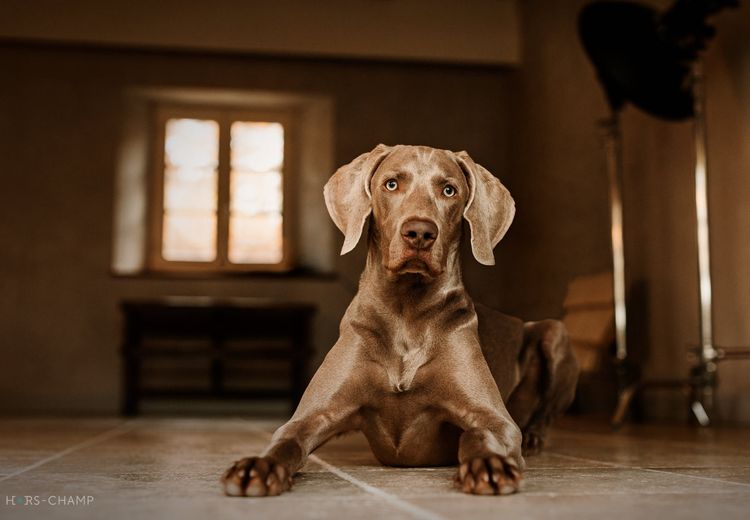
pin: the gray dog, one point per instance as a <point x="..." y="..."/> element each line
<point x="428" y="376"/>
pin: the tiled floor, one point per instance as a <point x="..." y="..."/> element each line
<point x="169" y="468"/>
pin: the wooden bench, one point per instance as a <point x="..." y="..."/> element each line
<point x="216" y="335"/>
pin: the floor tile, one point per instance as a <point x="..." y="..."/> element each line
<point x="155" y="467"/>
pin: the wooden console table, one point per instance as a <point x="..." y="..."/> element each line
<point x="171" y="327"/>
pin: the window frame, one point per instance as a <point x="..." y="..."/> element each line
<point x="224" y="116"/>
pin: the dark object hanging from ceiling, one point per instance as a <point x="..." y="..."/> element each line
<point x="645" y="56"/>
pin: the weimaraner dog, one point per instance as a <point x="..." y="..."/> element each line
<point x="428" y="376"/>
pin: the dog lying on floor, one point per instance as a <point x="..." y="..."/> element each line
<point x="428" y="376"/>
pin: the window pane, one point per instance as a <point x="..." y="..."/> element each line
<point x="189" y="236"/>
<point x="192" y="143"/>
<point x="186" y="188"/>
<point x="191" y="156"/>
<point x="257" y="147"/>
<point x="256" y="193"/>
<point x="255" y="239"/>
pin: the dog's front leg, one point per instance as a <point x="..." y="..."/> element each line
<point x="489" y="450"/>
<point x="328" y="407"/>
<point x="271" y="472"/>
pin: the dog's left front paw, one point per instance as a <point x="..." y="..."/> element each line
<point x="256" y="477"/>
<point x="492" y="475"/>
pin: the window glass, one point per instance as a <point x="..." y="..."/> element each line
<point x="256" y="193"/>
<point x="191" y="157"/>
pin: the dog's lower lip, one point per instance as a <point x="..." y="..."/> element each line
<point x="414" y="265"/>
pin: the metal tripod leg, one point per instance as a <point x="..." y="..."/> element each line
<point x="627" y="388"/>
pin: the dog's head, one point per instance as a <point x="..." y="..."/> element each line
<point x="417" y="196"/>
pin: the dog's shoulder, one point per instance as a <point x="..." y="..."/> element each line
<point x="495" y="324"/>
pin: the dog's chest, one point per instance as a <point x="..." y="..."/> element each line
<point x="406" y="356"/>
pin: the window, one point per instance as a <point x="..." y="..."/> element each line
<point x="308" y="237"/>
<point x="220" y="198"/>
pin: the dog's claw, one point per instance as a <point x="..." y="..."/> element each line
<point x="256" y="477"/>
<point x="468" y="484"/>
<point x="463" y="469"/>
<point x="492" y="475"/>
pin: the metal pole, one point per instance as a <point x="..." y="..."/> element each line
<point x="627" y="380"/>
<point x="707" y="350"/>
<point x="704" y="374"/>
<point x="613" y="149"/>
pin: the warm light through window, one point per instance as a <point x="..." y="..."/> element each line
<point x="190" y="190"/>
<point x="192" y="219"/>
<point x="256" y="194"/>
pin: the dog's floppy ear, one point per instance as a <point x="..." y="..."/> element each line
<point x="347" y="194"/>
<point x="489" y="210"/>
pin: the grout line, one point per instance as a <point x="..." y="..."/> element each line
<point x="121" y="428"/>
<point x="395" y="501"/>
<point x="660" y="471"/>
<point x="392" y="499"/>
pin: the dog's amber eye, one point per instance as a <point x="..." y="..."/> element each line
<point x="391" y="185"/>
<point x="449" y="190"/>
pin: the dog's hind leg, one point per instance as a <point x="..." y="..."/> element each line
<point x="548" y="377"/>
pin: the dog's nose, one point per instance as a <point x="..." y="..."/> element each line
<point x="419" y="234"/>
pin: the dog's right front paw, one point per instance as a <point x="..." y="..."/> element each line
<point x="256" y="477"/>
<point x="493" y="475"/>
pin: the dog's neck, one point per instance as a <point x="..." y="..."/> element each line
<point x="410" y="293"/>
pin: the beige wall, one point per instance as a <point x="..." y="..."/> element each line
<point x="434" y="30"/>
<point x="61" y="111"/>
<point x="560" y="185"/>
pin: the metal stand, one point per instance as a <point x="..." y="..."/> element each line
<point x="627" y="381"/>
<point x="703" y="374"/>
<point x="701" y="383"/>
<point x="706" y="356"/>
<point x="613" y="148"/>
